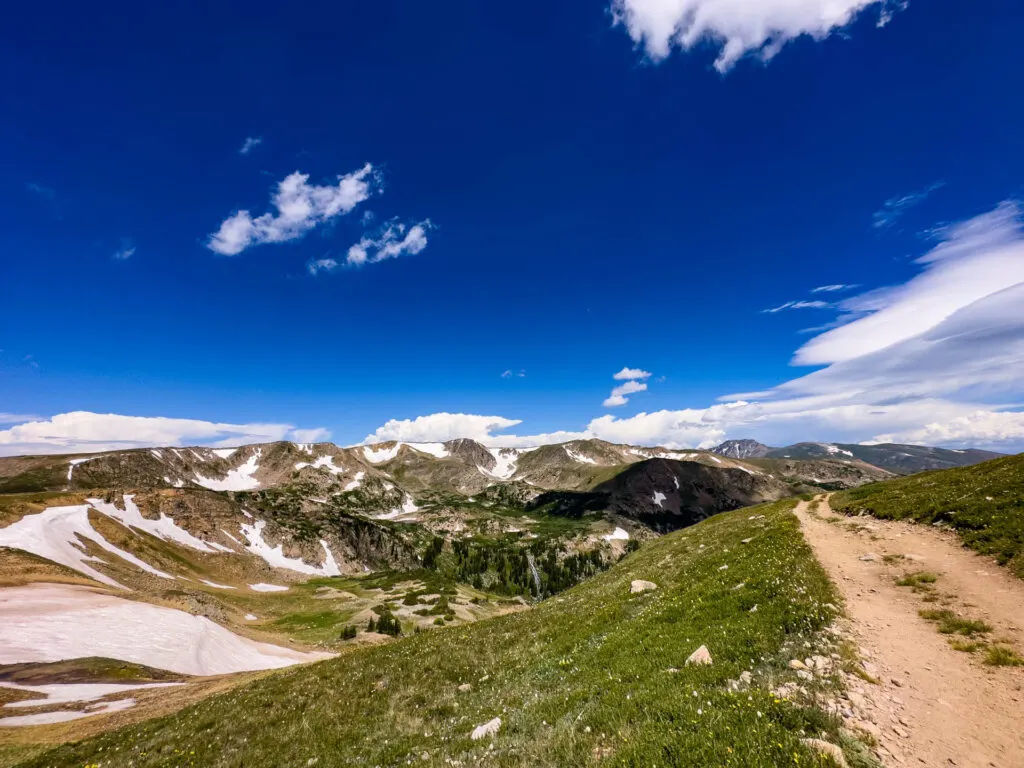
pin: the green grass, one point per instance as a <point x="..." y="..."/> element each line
<point x="1001" y="656"/>
<point x="950" y="623"/>
<point x="595" y="675"/>
<point x="983" y="503"/>
<point x="919" y="581"/>
<point x="967" y="646"/>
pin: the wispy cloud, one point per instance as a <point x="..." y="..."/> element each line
<point x="893" y="208"/>
<point x="47" y="197"/>
<point x="833" y="288"/>
<point x="39" y="189"/>
<point x="298" y="208"/>
<point x="737" y="29"/>
<point x="508" y="374"/>
<point x="395" y="239"/>
<point x="125" y="252"/>
<point x="797" y="305"/>
<point x="250" y="143"/>
<point x="326" y="264"/>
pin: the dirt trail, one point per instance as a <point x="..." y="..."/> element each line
<point x="933" y="706"/>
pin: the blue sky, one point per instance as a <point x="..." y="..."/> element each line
<point x="555" y="191"/>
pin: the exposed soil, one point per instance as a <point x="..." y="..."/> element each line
<point x="932" y="705"/>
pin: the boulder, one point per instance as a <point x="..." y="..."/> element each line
<point x="487" y="729"/>
<point x="701" y="656"/>
<point x="639" y="585"/>
<point x="826" y="748"/>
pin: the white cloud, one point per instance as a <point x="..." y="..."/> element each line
<point x="632" y="385"/>
<point x="895" y="207"/>
<point x="832" y="288"/>
<point x="631" y="373"/>
<point x="325" y="264"/>
<point x="979" y="427"/>
<point x="250" y="143"/>
<point x="976" y="259"/>
<point x="394" y="240"/>
<point x="797" y="305"/>
<point x="508" y="374"/>
<point x="736" y="28"/>
<point x="299" y="207"/>
<point x="82" y="432"/>
<point x="126" y="251"/>
<point x="439" y="427"/>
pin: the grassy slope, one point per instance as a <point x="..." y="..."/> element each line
<point x="984" y="503"/>
<point x="582" y="679"/>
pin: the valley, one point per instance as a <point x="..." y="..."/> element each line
<point x="136" y="583"/>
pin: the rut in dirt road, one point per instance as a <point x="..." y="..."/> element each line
<point x="932" y="705"/>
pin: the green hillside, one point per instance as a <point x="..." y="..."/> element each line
<point x="596" y="675"/>
<point x="984" y="503"/>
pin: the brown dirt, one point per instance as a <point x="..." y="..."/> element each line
<point x="932" y="705"/>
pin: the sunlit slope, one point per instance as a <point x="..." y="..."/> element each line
<point x="595" y="675"/>
<point x="984" y="503"/>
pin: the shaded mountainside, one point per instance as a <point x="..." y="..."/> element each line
<point x="665" y="494"/>
<point x="983" y="503"/>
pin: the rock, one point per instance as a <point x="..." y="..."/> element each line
<point x="869" y="557"/>
<point x="701" y="656"/>
<point x="746" y="541"/>
<point x="828" y="749"/>
<point x="746" y="677"/>
<point x="487" y="729"/>
<point x="639" y="585"/>
<point x="796" y="664"/>
<point x="803" y="674"/>
<point x="465" y="687"/>
<point x="754" y="609"/>
<point x="870" y="729"/>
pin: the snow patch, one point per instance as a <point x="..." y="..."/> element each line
<point x="506" y="460"/>
<point x="74" y="463"/>
<point x="64" y="715"/>
<point x="276" y="558"/>
<point x="355" y="483"/>
<point x="379" y="456"/>
<point x="163" y="528"/>
<point x="658" y="497"/>
<point x="37" y="618"/>
<point x="578" y="457"/>
<point x="224" y="453"/>
<point x="251" y="617"/>
<point x="215" y="585"/>
<point x="60" y="693"/>
<point x="261" y="587"/>
<point x="619" y="534"/>
<point x="238" y="479"/>
<point x="56" y="534"/>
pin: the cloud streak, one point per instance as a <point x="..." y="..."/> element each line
<point x="84" y="431"/>
<point x="893" y="208"/>
<point x="250" y="143"/>
<point x="395" y="239"/>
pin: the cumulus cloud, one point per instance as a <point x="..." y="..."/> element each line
<point x="797" y="305"/>
<point x="395" y="239"/>
<point x="895" y="207"/>
<point x="83" y="432"/>
<point x="618" y="395"/>
<point x="439" y="427"/>
<point x="736" y="28"/>
<point x="250" y="143"/>
<point x="631" y="373"/>
<point x="298" y="208"/>
<point x="985" y="427"/>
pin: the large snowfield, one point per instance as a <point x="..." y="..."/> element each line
<point x="52" y="622"/>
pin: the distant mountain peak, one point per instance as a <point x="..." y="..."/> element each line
<point x="742" y="449"/>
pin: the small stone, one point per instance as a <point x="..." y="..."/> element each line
<point x="746" y="541"/>
<point x="804" y="674"/>
<point x="701" y="656"/>
<point x="869" y="557"/>
<point x="796" y="664"/>
<point x="746" y="677"/>
<point x="465" y="687"/>
<point x="639" y="585"/>
<point x="487" y="729"/>
<point x="828" y="749"/>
